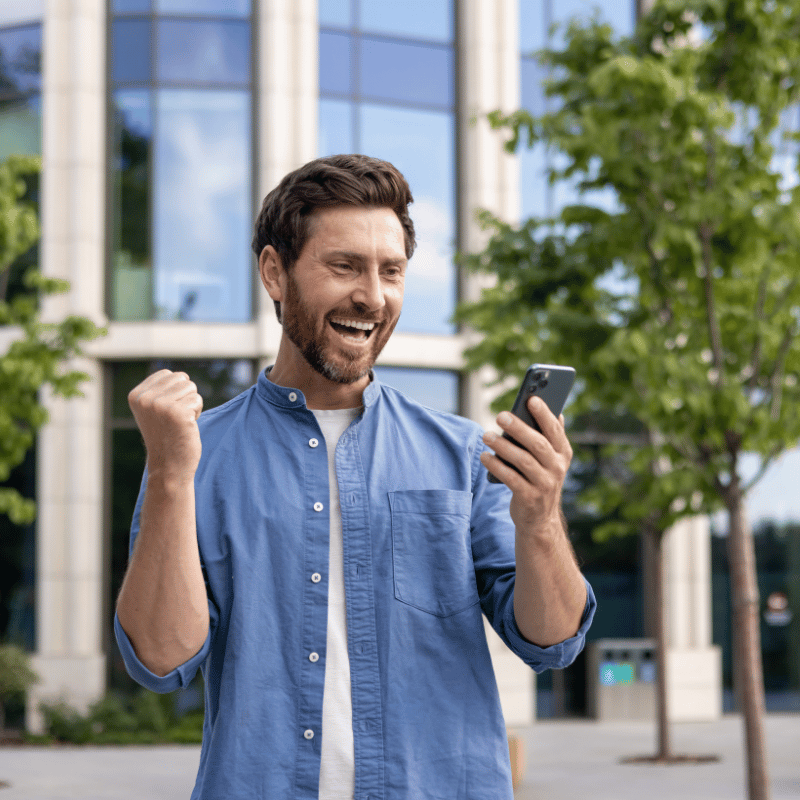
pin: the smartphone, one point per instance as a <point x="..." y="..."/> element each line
<point x="552" y="383"/>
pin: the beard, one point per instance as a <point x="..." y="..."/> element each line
<point x="338" y="364"/>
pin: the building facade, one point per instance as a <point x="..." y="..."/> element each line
<point x="162" y="124"/>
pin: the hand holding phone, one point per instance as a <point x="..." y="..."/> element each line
<point x="550" y="382"/>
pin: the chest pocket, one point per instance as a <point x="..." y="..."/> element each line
<point x="431" y="550"/>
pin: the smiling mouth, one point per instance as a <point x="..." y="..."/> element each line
<point x="353" y="330"/>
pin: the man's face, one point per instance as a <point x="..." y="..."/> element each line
<point x="343" y="296"/>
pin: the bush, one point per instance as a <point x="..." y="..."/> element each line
<point x="64" y="723"/>
<point x="145" y="718"/>
<point x="16" y="676"/>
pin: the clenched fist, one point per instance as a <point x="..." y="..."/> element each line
<point x="166" y="406"/>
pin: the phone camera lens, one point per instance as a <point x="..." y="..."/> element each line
<point x="542" y="384"/>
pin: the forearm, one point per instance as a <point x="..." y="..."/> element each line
<point x="549" y="593"/>
<point x="162" y="605"/>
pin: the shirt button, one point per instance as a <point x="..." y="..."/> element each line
<point x="292" y="396"/>
<point x="316" y="577"/>
<point x="313" y="657"/>
<point x="313" y="443"/>
<point x="318" y="506"/>
<point x="309" y="734"/>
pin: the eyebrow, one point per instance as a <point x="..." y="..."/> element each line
<point x="352" y="256"/>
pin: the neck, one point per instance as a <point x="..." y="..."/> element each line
<point x="293" y="371"/>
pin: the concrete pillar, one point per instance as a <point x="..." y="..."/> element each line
<point x="69" y="653"/>
<point x="694" y="664"/>
<point x="488" y="70"/>
<point x="286" y="114"/>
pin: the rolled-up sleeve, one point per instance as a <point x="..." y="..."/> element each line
<point x="557" y="656"/>
<point x="179" y="677"/>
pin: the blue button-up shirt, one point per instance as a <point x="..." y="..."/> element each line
<point x="428" y="548"/>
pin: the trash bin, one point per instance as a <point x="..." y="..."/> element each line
<point x="621" y="679"/>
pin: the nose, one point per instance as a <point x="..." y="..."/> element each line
<point x="369" y="291"/>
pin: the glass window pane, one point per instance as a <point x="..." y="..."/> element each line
<point x="418" y="19"/>
<point x="202" y="206"/>
<point x="335" y="13"/>
<point x="335" y="128"/>
<point x="21" y="60"/>
<point x="620" y="15"/>
<point x="204" y="8"/>
<point x="190" y="51"/>
<point x="532" y="26"/>
<point x="534" y="188"/>
<point x="20" y="127"/>
<point x="334" y="63"/>
<point x="532" y="76"/>
<point x="130" y="49"/>
<point x="421" y="145"/>
<point x="132" y="278"/>
<point x="218" y="380"/>
<point x="434" y="388"/>
<point x="408" y="73"/>
<point x="12" y="12"/>
<point x="131" y="6"/>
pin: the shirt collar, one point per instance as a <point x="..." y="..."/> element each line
<point x="287" y="397"/>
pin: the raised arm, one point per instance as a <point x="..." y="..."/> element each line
<point x="162" y="605"/>
<point x="549" y="592"/>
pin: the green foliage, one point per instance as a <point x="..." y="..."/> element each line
<point x="145" y="718"/>
<point x="674" y="288"/>
<point x="36" y="359"/>
<point x="16" y="673"/>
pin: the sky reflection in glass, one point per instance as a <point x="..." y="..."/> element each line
<point x="334" y="63"/>
<point x="620" y="15"/>
<point x="201" y="228"/>
<point x="408" y="73"/>
<point x="204" y="8"/>
<point x="130" y="49"/>
<point x="191" y="51"/>
<point x="416" y="19"/>
<point x="335" y="127"/>
<point x="434" y="388"/>
<point x="420" y="144"/>
<point x="21" y="59"/>
<point x="130" y="6"/>
<point x="13" y="12"/>
<point x="335" y="13"/>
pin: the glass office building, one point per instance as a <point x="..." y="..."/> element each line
<point x="163" y="123"/>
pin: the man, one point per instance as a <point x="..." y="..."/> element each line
<point x="323" y="547"/>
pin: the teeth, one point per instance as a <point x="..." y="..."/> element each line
<point x="348" y="323"/>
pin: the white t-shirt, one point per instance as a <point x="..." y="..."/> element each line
<point x="337" y="766"/>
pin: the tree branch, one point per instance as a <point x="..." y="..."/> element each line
<point x="755" y="360"/>
<point x="776" y="379"/>
<point x="765" y="465"/>
<point x="714" y="334"/>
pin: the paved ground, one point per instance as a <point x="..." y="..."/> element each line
<point x="565" y="761"/>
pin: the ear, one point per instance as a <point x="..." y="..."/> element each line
<point x="272" y="272"/>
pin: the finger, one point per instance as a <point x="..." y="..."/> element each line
<point x="552" y="427"/>
<point x="503" y="472"/>
<point x="529" y="439"/>
<point x="532" y="469"/>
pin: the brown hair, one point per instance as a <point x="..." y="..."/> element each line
<point x="343" y="180"/>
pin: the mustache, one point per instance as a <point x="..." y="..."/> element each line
<point x="356" y="316"/>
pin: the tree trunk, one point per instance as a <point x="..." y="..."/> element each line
<point x="664" y="743"/>
<point x="747" y="666"/>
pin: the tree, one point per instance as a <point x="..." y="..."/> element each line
<point x="679" y="301"/>
<point x="35" y="358"/>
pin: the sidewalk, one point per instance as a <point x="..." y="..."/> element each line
<point x="565" y="761"/>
